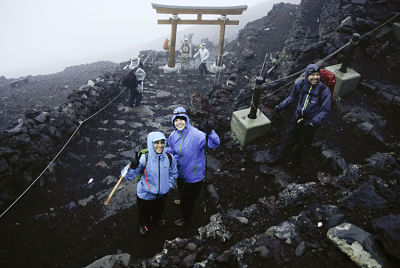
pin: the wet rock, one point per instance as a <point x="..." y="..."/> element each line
<point x="131" y="154"/>
<point x="363" y="197"/>
<point x="301" y="247"/>
<point x="261" y="157"/>
<point x="294" y="193"/>
<point x="357" y="244"/>
<point x="112" y="261"/>
<point x="262" y="251"/>
<point x="335" y="219"/>
<point x="191" y="246"/>
<point x="387" y="230"/>
<point x="188" y="261"/>
<point x="281" y="177"/>
<point x="381" y="161"/>
<point x="69" y="206"/>
<point x="286" y="231"/>
<point x="333" y="158"/>
<point x="215" y="229"/>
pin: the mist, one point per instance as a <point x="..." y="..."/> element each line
<point x="45" y="36"/>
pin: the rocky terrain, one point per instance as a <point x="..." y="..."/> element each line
<point x="340" y="208"/>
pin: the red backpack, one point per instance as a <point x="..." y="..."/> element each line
<point x="165" y="45"/>
<point x="329" y="79"/>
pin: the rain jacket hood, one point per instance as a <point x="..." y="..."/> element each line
<point x="188" y="146"/>
<point x="153" y="137"/>
<point x="180" y="111"/>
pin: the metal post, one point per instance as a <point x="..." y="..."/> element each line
<point x="171" y="59"/>
<point x="256" y="98"/>
<point x="349" y="54"/>
<point x="223" y="20"/>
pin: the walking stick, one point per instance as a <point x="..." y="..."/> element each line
<point x="115" y="188"/>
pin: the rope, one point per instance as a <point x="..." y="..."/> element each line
<point x="65" y="145"/>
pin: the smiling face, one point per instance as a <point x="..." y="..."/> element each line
<point x="313" y="78"/>
<point x="179" y="123"/>
<point x="159" y="146"/>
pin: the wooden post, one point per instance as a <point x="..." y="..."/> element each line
<point x="171" y="59"/>
<point x="221" y="40"/>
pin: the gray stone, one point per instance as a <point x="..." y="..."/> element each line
<point x="188" y="261"/>
<point x="131" y="154"/>
<point x="286" y="231"/>
<point x="296" y="192"/>
<point x="359" y="2"/>
<point x="163" y="94"/>
<point x="112" y="261"/>
<point x="363" y="197"/>
<point x="215" y="229"/>
<point x="387" y="230"/>
<point x="191" y="246"/>
<point x="355" y="243"/>
<point x="301" y="247"/>
<point x="381" y="161"/>
<point x="262" y="251"/>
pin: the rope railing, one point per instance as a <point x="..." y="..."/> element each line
<point x="318" y="62"/>
<point x="62" y="149"/>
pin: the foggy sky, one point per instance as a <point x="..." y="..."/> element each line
<point x="45" y="36"/>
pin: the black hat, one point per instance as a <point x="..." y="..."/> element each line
<point x="180" y="117"/>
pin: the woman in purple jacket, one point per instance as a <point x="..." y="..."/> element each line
<point x="187" y="144"/>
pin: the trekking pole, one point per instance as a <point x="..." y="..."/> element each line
<point x="265" y="59"/>
<point x="113" y="191"/>
<point x="115" y="188"/>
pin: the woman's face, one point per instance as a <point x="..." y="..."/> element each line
<point x="159" y="146"/>
<point x="179" y="124"/>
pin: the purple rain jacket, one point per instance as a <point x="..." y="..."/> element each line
<point x="187" y="146"/>
<point x="160" y="174"/>
<point x="313" y="108"/>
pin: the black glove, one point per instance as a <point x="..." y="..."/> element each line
<point x="135" y="161"/>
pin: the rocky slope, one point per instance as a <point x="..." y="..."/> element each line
<point x="344" y="198"/>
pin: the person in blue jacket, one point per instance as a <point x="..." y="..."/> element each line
<point x="157" y="172"/>
<point x="313" y="106"/>
<point x="187" y="144"/>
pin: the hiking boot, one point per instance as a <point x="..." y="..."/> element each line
<point x="177" y="202"/>
<point x="143" y="230"/>
<point x="180" y="222"/>
<point x="162" y="223"/>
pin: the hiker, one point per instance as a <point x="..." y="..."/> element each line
<point x="313" y="106"/>
<point x="186" y="52"/>
<point x="157" y="172"/>
<point x="133" y="80"/>
<point x="187" y="144"/>
<point x="204" y="54"/>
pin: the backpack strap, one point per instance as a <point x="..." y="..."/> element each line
<point x="170" y="159"/>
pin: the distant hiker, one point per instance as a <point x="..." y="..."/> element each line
<point x="157" y="172"/>
<point x="313" y="106"/>
<point x="166" y="47"/>
<point x="186" y="53"/>
<point x="204" y="54"/>
<point x="133" y="77"/>
<point x="187" y="144"/>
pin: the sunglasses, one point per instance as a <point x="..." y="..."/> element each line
<point x="314" y="70"/>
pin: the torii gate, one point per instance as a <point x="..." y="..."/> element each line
<point x="175" y="20"/>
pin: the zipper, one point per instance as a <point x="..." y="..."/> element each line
<point x="195" y="170"/>
<point x="180" y="146"/>
<point x="158" y="176"/>
<point x="306" y="101"/>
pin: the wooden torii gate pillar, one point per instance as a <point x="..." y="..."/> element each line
<point x="175" y="20"/>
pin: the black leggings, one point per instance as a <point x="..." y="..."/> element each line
<point x="189" y="193"/>
<point x="298" y="137"/>
<point x="150" y="211"/>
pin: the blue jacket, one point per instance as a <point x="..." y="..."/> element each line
<point x="160" y="175"/>
<point x="314" y="102"/>
<point x="188" y="146"/>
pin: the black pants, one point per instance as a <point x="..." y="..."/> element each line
<point x="203" y="69"/>
<point x="189" y="193"/>
<point x="134" y="96"/>
<point x="298" y="137"/>
<point x="150" y="211"/>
